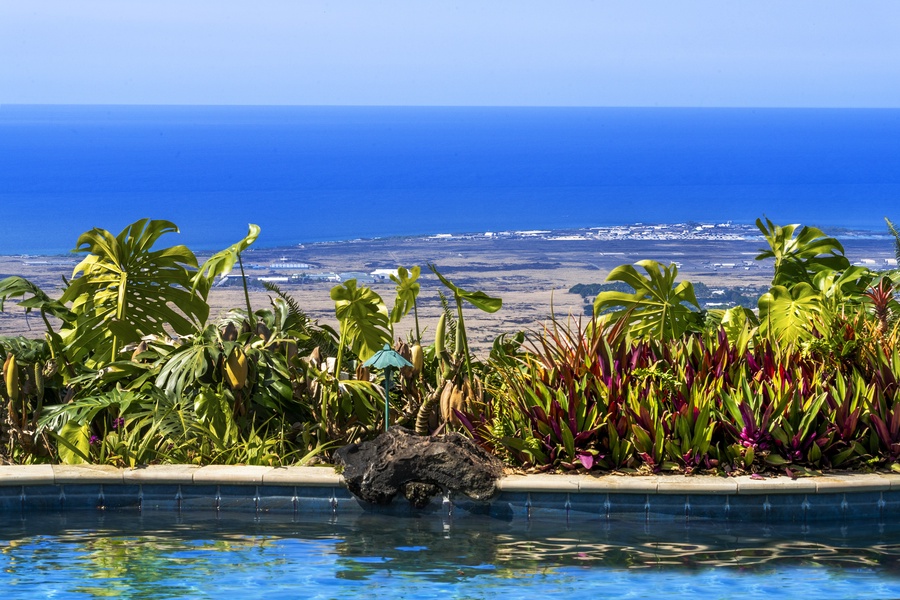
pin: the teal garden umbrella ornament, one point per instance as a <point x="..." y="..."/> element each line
<point x="388" y="360"/>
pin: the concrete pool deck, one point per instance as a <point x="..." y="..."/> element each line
<point x="300" y="490"/>
<point x="31" y="475"/>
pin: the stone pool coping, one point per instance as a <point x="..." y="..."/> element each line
<point x="326" y="477"/>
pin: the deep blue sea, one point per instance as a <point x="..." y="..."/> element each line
<point x="307" y="174"/>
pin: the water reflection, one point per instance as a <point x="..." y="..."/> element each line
<point x="169" y="555"/>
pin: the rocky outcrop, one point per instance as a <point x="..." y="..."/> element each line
<point x="419" y="467"/>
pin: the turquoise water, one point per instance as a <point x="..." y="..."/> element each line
<point x="167" y="555"/>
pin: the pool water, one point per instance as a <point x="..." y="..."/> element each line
<point x="214" y="555"/>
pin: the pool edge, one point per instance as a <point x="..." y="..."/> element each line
<point x="697" y="485"/>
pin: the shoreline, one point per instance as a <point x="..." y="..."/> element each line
<point x="532" y="271"/>
<point x="636" y="231"/>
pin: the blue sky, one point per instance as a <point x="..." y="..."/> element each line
<point x="821" y="53"/>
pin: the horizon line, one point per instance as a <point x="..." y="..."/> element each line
<point x="442" y="106"/>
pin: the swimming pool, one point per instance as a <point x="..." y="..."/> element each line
<point x="189" y="532"/>
<point x="213" y="555"/>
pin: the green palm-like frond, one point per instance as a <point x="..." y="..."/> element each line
<point x="800" y="252"/>
<point x="365" y="324"/>
<point x="896" y="235"/>
<point x="124" y="290"/>
<point x="659" y="308"/>
<point x="787" y="314"/>
<point x="295" y="318"/>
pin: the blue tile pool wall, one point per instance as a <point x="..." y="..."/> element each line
<point x="761" y="508"/>
<point x="508" y="506"/>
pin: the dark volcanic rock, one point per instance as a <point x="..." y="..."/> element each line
<point x="420" y="467"/>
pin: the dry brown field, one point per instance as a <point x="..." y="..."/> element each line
<point x="532" y="275"/>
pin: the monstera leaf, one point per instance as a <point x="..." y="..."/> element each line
<point x="799" y="257"/>
<point x="365" y="324"/>
<point x="407" y="292"/>
<point x="658" y="308"/>
<point x="221" y="263"/>
<point x="124" y="290"/>
<point x="787" y="314"/>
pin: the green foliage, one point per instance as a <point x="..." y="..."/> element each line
<point x="893" y="229"/>
<point x="651" y="384"/>
<point x="559" y="408"/>
<point x="127" y="290"/>
<point x="221" y="264"/>
<point x="658" y="308"/>
<point x="798" y="258"/>
<point x="407" y="291"/>
<point x="788" y="314"/>
<point x="33" y="297"/>
<point x="364" y="319"/>
<point x="479" y="300"/>
<point x="707" y="297"/>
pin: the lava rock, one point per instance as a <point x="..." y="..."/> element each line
<point x="418" y="466"/>
<point x="419" y="494"/>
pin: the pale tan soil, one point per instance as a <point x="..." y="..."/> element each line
<point x="526" y="273"/>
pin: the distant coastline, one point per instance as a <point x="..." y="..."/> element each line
<point x="650" y="232"/>
<point x="534" y="271"/>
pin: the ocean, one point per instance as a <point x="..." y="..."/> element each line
<point x="308" y="174"/>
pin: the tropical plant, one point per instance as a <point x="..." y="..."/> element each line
<point x="880" y="299"/>
<point x="221" y="264"/>
<point x="893" y="229"/>
<point x="407" y="292"/>
<point x="789" y="314"/>
<point x="127" y="290"/>
<point x="659" y="308"/>
<point x="33" y="298"/>
<point x="479" y="300"/>
<point x="363" y="316"/>
<point x="559" y="397"/>
<point x="651" y="383"/>
<point x="800" y="255"/>
<point x="29" y="381"/>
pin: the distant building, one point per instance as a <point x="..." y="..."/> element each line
<point x="357" y="275"/>
<point x="323" y="277"/>
<point x="382" y="274"/>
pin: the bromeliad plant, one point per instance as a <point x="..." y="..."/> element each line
<point x="697" y="403"/>
<point x="559" y="406"/>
